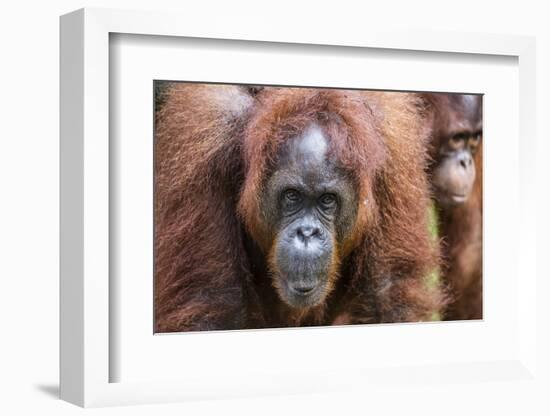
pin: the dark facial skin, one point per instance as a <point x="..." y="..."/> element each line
<point x="311" y="206"/>
<point x="455" y="173"/>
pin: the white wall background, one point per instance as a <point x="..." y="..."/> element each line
<point x="29" y="103"/>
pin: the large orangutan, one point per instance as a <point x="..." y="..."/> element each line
<point x="456" y="175"/>
<point x="284" y="207"/>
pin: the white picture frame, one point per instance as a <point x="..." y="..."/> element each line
<point x="86" y="355"/>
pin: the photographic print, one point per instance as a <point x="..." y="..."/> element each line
<point x="282" y="207"/>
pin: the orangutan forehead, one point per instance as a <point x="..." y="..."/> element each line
<point x="467" y="106"/>
<point x="307" y="150"/>
<point x="465" y="114"/>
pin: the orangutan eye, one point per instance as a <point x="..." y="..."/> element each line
<point x="457" y="141"/>
<point x="475" y="139"/>
<point x="292" y="196"/>
<point x="458" y="137"/>
<point x="328" y="200"/>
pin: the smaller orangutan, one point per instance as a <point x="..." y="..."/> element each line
<point x="456" y="177"/>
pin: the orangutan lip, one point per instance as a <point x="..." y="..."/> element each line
<point x="454" y="197"/>
<point x="458" y="197"/>
<point x="303" y="292"/>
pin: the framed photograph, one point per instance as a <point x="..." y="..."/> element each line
<point x="281" y="211"/>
